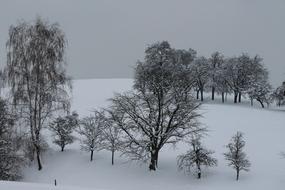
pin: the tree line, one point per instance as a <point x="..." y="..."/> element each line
<point x="239" y="75"/>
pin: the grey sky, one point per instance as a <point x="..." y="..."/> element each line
<point x="107" y="37"/>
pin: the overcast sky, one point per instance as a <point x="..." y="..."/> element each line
<point x="107" y="37"/>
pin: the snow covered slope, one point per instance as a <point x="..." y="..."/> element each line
<point x="264" y="134"/>
<point x="4" y="185"/>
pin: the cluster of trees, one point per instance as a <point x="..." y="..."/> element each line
<point x="241" y="75"/>
<point x="97" y="132"/>
<point x="198" y="156"/>
<point x="38" y="90"/>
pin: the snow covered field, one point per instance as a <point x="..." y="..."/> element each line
<point x="264" y="134"/>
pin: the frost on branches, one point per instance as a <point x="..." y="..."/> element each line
<point x="197" y="157"/>
<point x="90" y="130"/>
<point x="236" y="156"/>
<point x="160" y="109"/>
<point x="111" y="134"/>
<point x="62" y="128"/>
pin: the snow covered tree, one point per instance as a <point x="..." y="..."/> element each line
<point x="36" y="75"/>
<point x="196" y="157"/>
<point x="259" y="87"/>
<point x="279" y="95"/>
<point x="111" y="135"/>
<point x="260" y="91"/>
<point x="239" y="72"/>
<point x="90" y="129"/>
<point x="236" y="156"/>
<point x="10" y="160"/>
<point x="222" y="86"/>
<point x="185" y="57"/>
<point x="215" y="62"/>
<point x="201" y="72"/>
<point x="160" y="109"/>
<point x="62" y="128"/>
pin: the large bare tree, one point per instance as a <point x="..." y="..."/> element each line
<point x="160" y="109"/>
<point x="36" y="74"/>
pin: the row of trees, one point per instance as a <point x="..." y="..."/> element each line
<point x="99" y="132"/>
<point x="242" y="75"/>
<point x="199" y="156"/>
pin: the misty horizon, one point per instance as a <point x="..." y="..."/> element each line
<point x="106" y="38"/>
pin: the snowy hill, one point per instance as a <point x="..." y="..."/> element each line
<point x="264" y="134"/>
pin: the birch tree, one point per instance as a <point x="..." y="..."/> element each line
<point x="36" y="74"/>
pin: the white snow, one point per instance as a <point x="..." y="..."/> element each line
<point x="5" y="185"/>
<point x="264" y="134"/>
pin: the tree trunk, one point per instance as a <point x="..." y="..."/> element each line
<point x="235" y="96"/>
<point x="91" y="156"/>
<point x="156" y="158"/>
<point x="261" y="103"/>
<point x="239" y="97"/>
<point x="202" y="97"/>
<point x="213" y="93"/>
<point x="199" y="171"/>
<point x="62" y="147"/>
<point x="113" y="152"/>
<point x="223" y="97"/>
<point x="251" y="101"/>
<point x="237" y="177"/>
<point x="153" y="160"/>
<point x="38" y="158"/>
<point x="197" y="95"/>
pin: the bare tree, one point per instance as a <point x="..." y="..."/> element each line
<point x="201" y="72"/>
<point x="216" y="60"/>
<point x="279" y="95"/>
<point x="62" y="128"/>
<point x="160" y="109"/>
<point x="36" y="74"/>
<point x="236" y="155"/>
<point x="111" y="134"/>
<point x="222" y="86"/>
<point x="260" y="91"/>
<point x="196" y="157"/>
<point x="237" y="73"/>
<point x="90" y="129"/>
